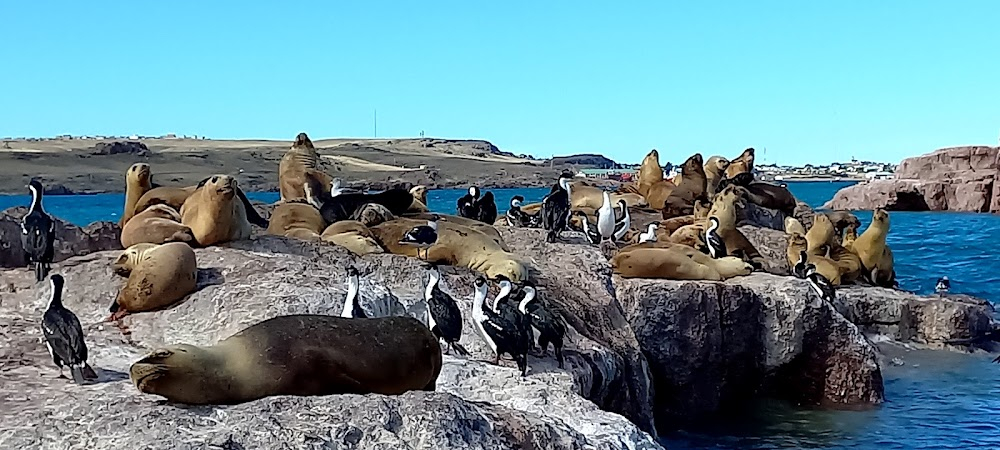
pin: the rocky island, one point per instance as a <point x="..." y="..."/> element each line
<point x="949" y="179"/>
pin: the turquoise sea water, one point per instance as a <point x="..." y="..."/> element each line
<point x="936" y="400"/>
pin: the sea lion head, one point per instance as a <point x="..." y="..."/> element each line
<point x="302" y="141"/>
<point x="693" y="165"/>
<point x="702" y="207"/>
<point x="372" y="214"/>
<point x="880" y="217"/>
<point x="505" y="268"/>
<point x="139" y="174"/>
<point x="222" y="185"/>
<point x="716" y="164"/>
<point x="129" y="259"/>
<point x="419" y="192"/>
<point x="733" y="195"/>
<point x="182" y="373"/>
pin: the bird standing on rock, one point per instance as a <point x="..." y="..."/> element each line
<point x="556" y="208"/>
<point x="550" y="328"/>
<point x="716" y="245"/>
<point x="352" y="307"/>
<point x="822" y="286"/>
<point x="942" y="286"/>
<point x="500" y="334"/>
<point x="622" y="226"/>
<point x="64" y="335"/>
<point x="650" y="234"/>
<point x="443" y="316"/>
<point x="38" y="233"/>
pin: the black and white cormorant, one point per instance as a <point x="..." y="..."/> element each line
<point x="555" y="208"/>
<point x="942" y="286"/>
<point x="500" y="335"/>
<point x="422" y="236"/>
<point x="443" y="316"/>
<point x="352" y="304"/>
<point x="38" y="233"/>
<point x="820" y="284"/>
<point x="514" y="216"/>
<point x="799" y="269"/>
<point x="486" y="209"/>
<point x="622" y="226"/>
<point x="550" y="328"/>
<point x="506" y="303"/>
<point x="466" y="206"/>
<point x="589" y="229"/>
<point x="606" y="218"/>
<point x="716" y="246"/>
<point x="64" y="336"/>
<point x="650" y="234"/>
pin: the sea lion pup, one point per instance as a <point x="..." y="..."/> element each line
<point x="158" y="276"/>
<point x="456" y="245"/>
<point x="797" y="248"/>
<point x="681" y="200"/>
<point x="876" y="258"/>
<point x="742" y="164"/>
<point x="215" y="213"/>
<point x="296" y="219"/>
<point x="158" y="224"/>
<point x="677" y="262"/>
<point x="296" y="355"/>
<point x="352" y="235"/>
<point x="715" y="169"/>
<point x="724" y="209"/>
<point x="792" y="225"/>
<point x="299" y="166"/>
<point x="137" y="182"/>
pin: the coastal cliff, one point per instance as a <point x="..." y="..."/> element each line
<point x="641" y="354"/>
<point x="950" y="179"/>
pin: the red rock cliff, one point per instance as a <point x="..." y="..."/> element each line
<point x="950" y="179"/>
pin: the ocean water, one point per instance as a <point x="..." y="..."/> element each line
<point x="935" y="400"/>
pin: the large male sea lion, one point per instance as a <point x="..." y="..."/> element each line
<point x="650" y="172"/>
<point x="742" y="164"/>
<point x="296" y="355"/>
<point x="299" y="166"/>
<point x="681" y="199"/>
<point x="157" y="224"/>
<point x="677" y="262"/>
<point x="137" y="182"/>
<point x="715" y="170"/>
<point x="456" y="245"/>
<point x="296" y="219"/>
<point x="353" y="236"/>
<point x="218" y="212"/>
<point x="876" y="258"/>
<point x="724" y="209"/>
<point x="158" y="276"/>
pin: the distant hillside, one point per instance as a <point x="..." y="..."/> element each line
<point x="594" y="161"/>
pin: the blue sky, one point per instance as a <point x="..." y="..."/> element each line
<point x="808" y="81"/>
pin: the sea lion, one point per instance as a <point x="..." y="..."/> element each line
<point x="870" y="246"/>
<point x="724" y="209"/>
<point x="299" y="166"/>
<point x="820" y="236"/>
<point x="681" y="199"/>
<point x="419" y="193"/>
<point x="842" y="219"/>
<point x="650" y="172"/>
<point x="742" y="164"/>
<point x="372" y="214"/>
<point x="215" y="213"/>
<point x="343" y="206"/>
<point x="588" y="197"/>
<point x="296" y="355"/>
<point x="677" y="262"/>
<point x="481" y="227"/>
<point x="171" y="196"/>
<point x="456" y="245"/>
<point x="157" y="224"/>
<point x="353" y="236"/>
<point x="771" y="196"/>
<point x="158" y="277"/>
<point x="797" y="244"/>
<point x="792" y="225"/>
<point x="850" y="235"/>
<point x="137" y="183"/>
<point x="296" y="218"/>
<point x="715" y="169"/>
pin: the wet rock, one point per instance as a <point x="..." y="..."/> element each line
<point x="950" y="179"/>
<point x="906" y="317"/>
<point x="71" y="240"/>
<point x="712" y="345"/>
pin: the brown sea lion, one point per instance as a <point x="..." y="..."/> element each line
<point x="173" y="197"/>
<point x="824" y="266"/>
<point x="677" y="262"/>
<point x="792" y="225"/>
<point x="650" y="172"/>
<point x="842" y="219"/>
<point x="157" y="224"/>
<point x="296" y="355"/>
<point x="137" y="182"/>
<point x="682" y="198"/>
<point x="216" y="213"/>
<point x="724" y="209"/>
<point x="715" y="170"/>
<point x="352" y="235"/>
<point x="820" y="236"/>
<point x="742" y="164"/>
<point x="158" y="277"/>
<point x="870" y="246"/>
<point x="298" y="167"/>
<point x="296" y="218"/>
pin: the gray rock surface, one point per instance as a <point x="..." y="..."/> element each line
<point x="932" y="320"/>
<point x="71" y="240"/>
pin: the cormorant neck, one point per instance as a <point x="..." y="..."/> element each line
<point x="477" y="301"/>
<point x="432" y="281"/>
<point x="36" y="200"/>
<point x="505" y="288"/>
<point x="529" y="295"/>
<point x="352" y="296"/>
<point x="55" y="297"/>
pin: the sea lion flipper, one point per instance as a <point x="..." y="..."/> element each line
<point x="252" y="215"/>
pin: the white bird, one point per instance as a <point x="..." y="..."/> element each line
<point x="650" y="234"/>
<point x="606" y="219"/>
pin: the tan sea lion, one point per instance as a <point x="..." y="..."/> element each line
<point x="797" y="244"/>
<point x="870" y="246"/>
<point x="792" y="225"/>
<point x="820" y="236"/>
<point x="677" y="263"/>
<point x="137" y="183"/>
<point x="456" y="245"/>
<point x="158" y="276"/>
<point x="296" y="218"/>
<point x="742" y="164"/>
<point x="650" y="172"/>
<point x="352" y="235"/>
<point x="158" y="224"/>
<point x="715" y="170"/>
<point x="419" y="193"/>
<point x="296" y="355"/>
<point x="681" y="200"/>
<point x="299" y="166"/>
<point x="215" y="213"/>
<point x="173" y="197"/>
<point x="842" y="219"/>
<point x="850" y="235"/>
<point x="724" y="209"/>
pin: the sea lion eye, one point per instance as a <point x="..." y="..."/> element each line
<point x="215" y="179"/>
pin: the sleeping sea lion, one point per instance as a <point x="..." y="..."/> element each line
<point x="352" y="235"/>
<point x="298" y="219"/>
<point x="296" y="355"/>
<point x="157" y="224"/>
<point x="158" y="277"/>
<point x="677" y="262"/>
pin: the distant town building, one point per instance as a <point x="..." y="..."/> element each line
<point x="608" y="174"/>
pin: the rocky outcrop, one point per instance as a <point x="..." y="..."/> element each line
<point x="950" y="179"/>
<point x="71" y="240"/>
<point x="932" y="320"/>
<point x="713" y="345"/>
<point x="121" y="148"/>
